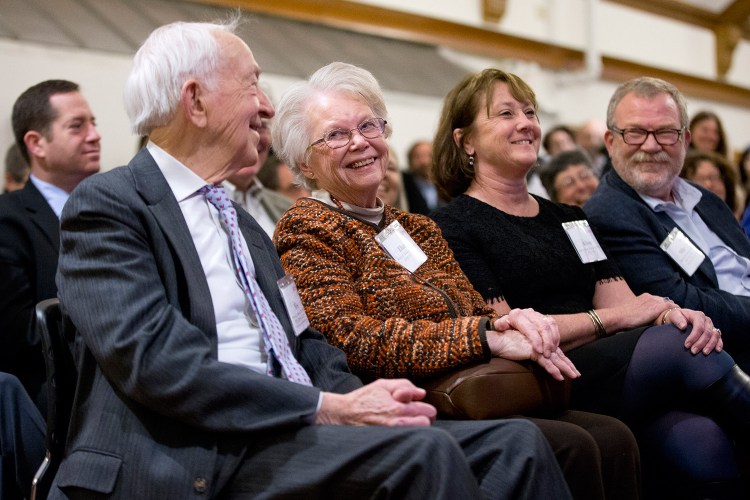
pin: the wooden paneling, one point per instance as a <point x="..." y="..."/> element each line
<point x="405" y="26"/>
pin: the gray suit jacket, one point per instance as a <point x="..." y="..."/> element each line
<point x="275" y="204"/>
<point x="156" y="414"/>
<point x="633" y="233"/>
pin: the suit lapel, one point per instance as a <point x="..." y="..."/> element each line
<point x="706" y="268"/>
<point x="41" y="214"/>
<point x="732" y="235"/>
<point x="153" y="187"/>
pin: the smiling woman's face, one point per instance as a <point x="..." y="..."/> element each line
<point x="351" y="173"/>
<point x="508" y="137"/>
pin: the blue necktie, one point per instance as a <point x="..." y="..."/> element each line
<point x="274" y="336"/>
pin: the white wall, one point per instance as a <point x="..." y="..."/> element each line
<point x="614" y="31"/>
<point x="102" y="77"/>
<point x="563" y="98"/>
<point x="618" y="31"/>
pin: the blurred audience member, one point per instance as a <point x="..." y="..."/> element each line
<point x="265" y="205"/>
<point x="55" y="131"/>
<point x="569" y="178"/>
<point x="421" y="193"/>
<point x="389" y="190"/>
<point x="276" y="176"/>
<point x="708" y="133"/>
<point x="743" y="166"/>
<point x="590" y="138"/>
<point x="713" y="172"/>
<point x="16" y="169"/>
<point x="558" y="139"/>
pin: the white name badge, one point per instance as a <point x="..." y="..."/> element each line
<point x="396" y="241"/>
<point x="580" y="234"/>
<point x="683" y="251"/>
<point x="293" y="304"/>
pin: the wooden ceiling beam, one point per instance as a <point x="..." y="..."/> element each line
<point x="492" y="44"/>
<point x="689" y="14"/>
<point x="736" y="13"/>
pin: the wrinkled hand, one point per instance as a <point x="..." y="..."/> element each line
<point x="390" y="402"/>
<point x="540" y="330"/>
<point x="513" y="345"/>
<point x="704" y="337"/>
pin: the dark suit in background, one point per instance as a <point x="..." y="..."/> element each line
<point x="633" y="232"/>
<point x="29" y="243"/>
<point x="417" y="203"/>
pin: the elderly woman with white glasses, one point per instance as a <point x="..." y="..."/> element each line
<point x="382" y="285"/>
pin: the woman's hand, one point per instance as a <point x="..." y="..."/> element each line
<point x="704" y="337"/>
<point x="513" y="345"/>
<point x="541" y="331"/>
<point x="641" y="310"/>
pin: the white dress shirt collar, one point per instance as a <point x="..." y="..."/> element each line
<point x="182" y="181"/>
<point x="55" y="196"/>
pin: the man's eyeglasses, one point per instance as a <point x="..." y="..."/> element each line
<point x="339" y="137"/>
<point x="637" y="136"/>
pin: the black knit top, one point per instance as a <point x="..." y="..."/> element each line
<point x="529" y="261"/>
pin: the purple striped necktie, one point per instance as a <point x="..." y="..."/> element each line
<point x="274" y="336"/>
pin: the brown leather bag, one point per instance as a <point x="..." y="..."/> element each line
<point x="495" y="389"/>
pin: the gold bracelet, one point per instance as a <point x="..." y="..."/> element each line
<point x="666" y="315"/>
<point x="598" y="325"/>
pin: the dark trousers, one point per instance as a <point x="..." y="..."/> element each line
<point x="22" y="431"/>
<point x="598" y="455"/>
<point x="503" y="459"/>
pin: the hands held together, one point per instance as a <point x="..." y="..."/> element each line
<point x="526" y="334"/>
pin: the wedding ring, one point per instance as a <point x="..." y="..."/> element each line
<point x="717" y="330"/>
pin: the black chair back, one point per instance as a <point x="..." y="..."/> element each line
<point x="57" y="340"/>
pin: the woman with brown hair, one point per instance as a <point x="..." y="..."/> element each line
<point x="713" y="172"/>
<point x="640" y="361"/>
<point x="382" y="285"/>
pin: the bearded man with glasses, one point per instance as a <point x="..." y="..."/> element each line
<point x="669" y="236"/>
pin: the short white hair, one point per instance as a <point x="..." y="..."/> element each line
<point x="171" y="55"/>
<point x="292" y="129"/>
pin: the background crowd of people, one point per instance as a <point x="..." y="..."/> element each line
<point x="283" y="286"/>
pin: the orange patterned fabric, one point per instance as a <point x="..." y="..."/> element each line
<point x="389" y="322"/>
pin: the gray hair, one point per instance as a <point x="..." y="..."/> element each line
<point x="649" y="88"/>
<point x="292" y="129"/>
<point x="171" y="55"/>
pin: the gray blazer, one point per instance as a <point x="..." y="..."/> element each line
<point x="275" y="204"/>
<point x="156" y="414"/>
<point x="633" y="233"/>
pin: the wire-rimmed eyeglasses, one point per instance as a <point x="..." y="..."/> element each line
<point x="370" y="128"/>
<point x="637" y="136"/>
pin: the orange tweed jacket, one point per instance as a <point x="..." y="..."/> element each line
<point x="389" y="322"/>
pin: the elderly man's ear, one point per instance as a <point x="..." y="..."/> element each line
<point x="193" y="104"/>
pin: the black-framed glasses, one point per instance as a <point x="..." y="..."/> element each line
<point x="339" y="137"/>
<point x="637" y="136"/>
